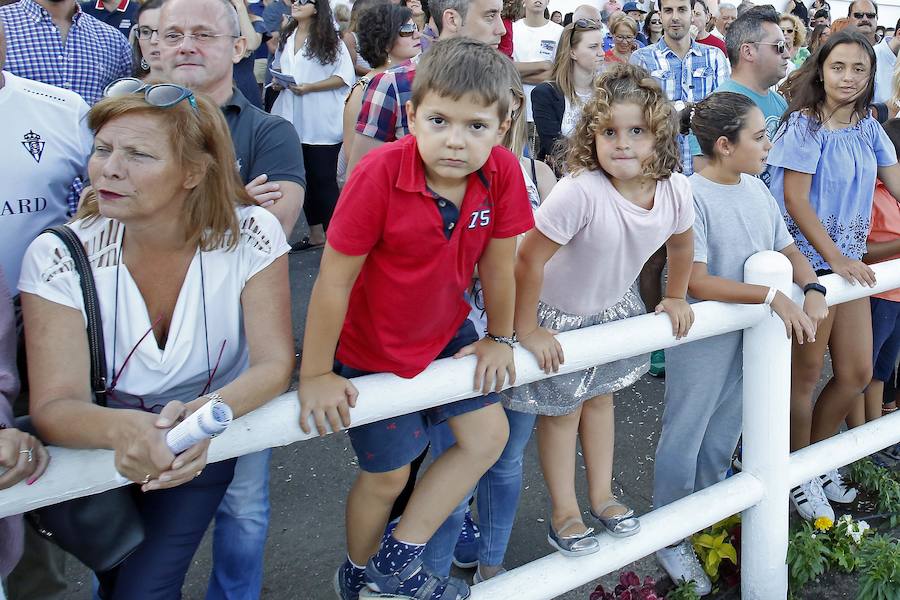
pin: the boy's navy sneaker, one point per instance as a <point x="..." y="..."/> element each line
<point x="409" y="584"/>
<point x="465" y="555"/>
<point x="348" y="581"/>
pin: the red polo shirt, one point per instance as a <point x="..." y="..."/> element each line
<point x="407" y="302"/>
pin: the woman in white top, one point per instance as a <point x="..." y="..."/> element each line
<point x="314" y="55"/>
<point x="192" y="282"/>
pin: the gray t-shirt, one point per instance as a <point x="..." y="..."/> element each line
<point x="733" y="222"/>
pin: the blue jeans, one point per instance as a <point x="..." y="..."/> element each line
<point x="239" y="538"/>
<point x="174" y="523"/>
<point x="497" y="497"/>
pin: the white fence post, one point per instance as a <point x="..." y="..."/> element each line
<point x="766" y="438"/>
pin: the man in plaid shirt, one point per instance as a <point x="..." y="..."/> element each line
<point x="382" y="117"/>
<point x="687" y="71"/>
<point x="55" y="42"/>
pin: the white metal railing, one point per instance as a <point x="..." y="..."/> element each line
<point x="760" y="491"/>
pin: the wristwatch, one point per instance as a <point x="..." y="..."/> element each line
<point x="814" y="287"/>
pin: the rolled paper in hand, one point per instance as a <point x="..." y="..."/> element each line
<point x="207" y="422"/>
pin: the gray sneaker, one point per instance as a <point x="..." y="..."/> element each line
<point x="681" y="563"/>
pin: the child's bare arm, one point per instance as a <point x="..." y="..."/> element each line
<point x="879" y="251"/>
<point x="323" y="394"/>
<point x="680" y="251"/>
<point x="814" y="304"/>
<point x="495" y="359"/>
<point x="534" y="252"/>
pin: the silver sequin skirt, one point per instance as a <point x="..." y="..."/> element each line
<point x="563" y="394"/>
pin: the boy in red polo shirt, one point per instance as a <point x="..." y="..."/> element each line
<point x="411" y="225"/>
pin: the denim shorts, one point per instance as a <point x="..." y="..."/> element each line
<point x="387" y="445"/>
<point x="885" y="337"/>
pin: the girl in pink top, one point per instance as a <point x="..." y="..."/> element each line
<point x="577" y="268"/>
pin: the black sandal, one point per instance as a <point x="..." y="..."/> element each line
<point x="304" y="245"/>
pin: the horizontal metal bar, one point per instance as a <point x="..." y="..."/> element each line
<point x="555" y="574"/>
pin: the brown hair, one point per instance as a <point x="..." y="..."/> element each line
<point x="723" y="114"/>
<point x="459" y="66"/>
<point x="563" y="68"/>
<point x="200" y="141"/>
<point x="517" y="134"/>
<point x="626" y="83"/>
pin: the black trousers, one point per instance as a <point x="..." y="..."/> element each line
<point x="321" y="183"/>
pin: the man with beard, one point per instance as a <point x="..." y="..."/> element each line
<point x="55" y="42"/>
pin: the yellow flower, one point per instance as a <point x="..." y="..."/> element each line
<point x="823" y="523"/>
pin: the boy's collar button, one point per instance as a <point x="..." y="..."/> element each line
<point x="442" y="203"/>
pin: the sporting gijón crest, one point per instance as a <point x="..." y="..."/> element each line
<point x="34" y="145"/>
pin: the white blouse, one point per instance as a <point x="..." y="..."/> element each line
<point x="155" y="376"/>
<point x="318" y="117"/>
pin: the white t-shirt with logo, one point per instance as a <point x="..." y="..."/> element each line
<point x="532" y="44"/>
<point x="45" y="146"/>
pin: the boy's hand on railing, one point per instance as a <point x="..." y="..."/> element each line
<point x="816" y="308"/>
<point x="854" y="271"/>
<point x="796" y="322"/>
<point x="22" y="456"/>
<point x="328" y="398"/>
<point x="495" y="363"/>
<point x="546" y="349"/>
<point x="681" y="314"/>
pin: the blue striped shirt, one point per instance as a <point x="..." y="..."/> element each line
<point x="703" y="69"/>
<point x="92" y="55"/>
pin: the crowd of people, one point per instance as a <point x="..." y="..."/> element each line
<point x="478" y="175"/>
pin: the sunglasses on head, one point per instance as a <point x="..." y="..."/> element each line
<point x="161" y="95"/>
<point x="582" y="25"/>
<point x="303" y="2"/>
<point x="868" y="15"/>
<point x="780" y="47"/>
<point x="407" y="30"/>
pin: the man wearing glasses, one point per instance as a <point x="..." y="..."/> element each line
<point x="863" y="15"/>
<point x="199" y="44"/>
<point x="759" y="60"/>
<point x="118" y="14"/>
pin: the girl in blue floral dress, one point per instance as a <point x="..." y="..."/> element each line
<point x="822" y="169"/>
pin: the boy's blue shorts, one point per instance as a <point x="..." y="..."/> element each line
<point x="885" y="337"/>
<point x="387" y="445"/>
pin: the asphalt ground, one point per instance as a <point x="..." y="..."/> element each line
<point x="310" y="481"/>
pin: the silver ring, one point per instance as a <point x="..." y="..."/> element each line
<point x="146" y="479"/>
<point x="29" y="452"/>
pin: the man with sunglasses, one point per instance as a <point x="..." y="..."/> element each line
<point x="886" y="59"/>
<point x="759" y="60"/>
<point x="200" y="42"/>
<point x="118" y="14"/>
<point x="863" y="15"/>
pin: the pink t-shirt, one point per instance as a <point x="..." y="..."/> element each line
<point x="605" y="238"/>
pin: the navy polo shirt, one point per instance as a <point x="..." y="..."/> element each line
<point x="263" y="143"/>
<point x="122" y="19"/>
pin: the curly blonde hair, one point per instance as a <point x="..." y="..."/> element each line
<point x="626" y="83"/>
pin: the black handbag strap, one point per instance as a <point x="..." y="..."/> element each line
<point x="91" y="309"/>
